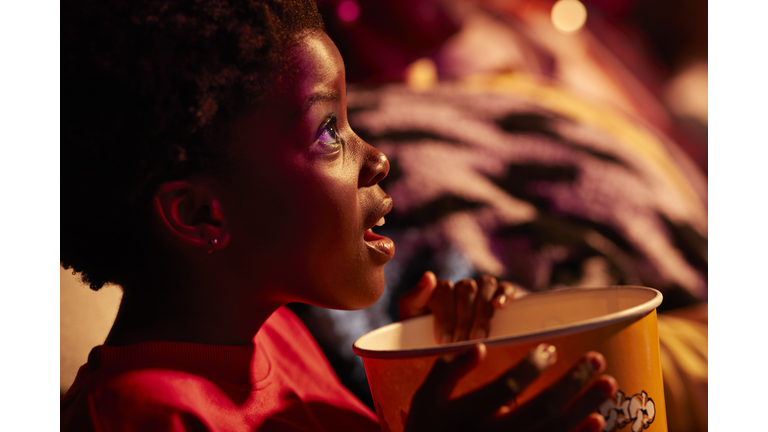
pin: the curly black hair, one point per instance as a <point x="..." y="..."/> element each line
<point x="147" y="88"/>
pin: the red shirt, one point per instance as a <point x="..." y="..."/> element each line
<point x="280" y="382"/>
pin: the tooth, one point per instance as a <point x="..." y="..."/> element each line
<point x="380" y="222"/>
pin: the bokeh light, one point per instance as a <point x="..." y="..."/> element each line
<point x="568" y="16"/>
<point x="421" y="75"/>
<point x="348" y="10"/>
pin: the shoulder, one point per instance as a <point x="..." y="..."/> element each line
<point x="151" y="399"/>
<point x="158" y="385"/>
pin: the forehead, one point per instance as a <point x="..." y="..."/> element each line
<point x="318" y="70"/>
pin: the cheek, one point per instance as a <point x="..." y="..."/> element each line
<point x="267" y="218"/>
<point x="333" y="222"/>
<point x="306" y="229"/>
<point x="341" y="269"/>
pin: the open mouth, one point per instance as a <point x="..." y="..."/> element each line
<point x="379" y="243"/>
<point x="372" y="236"/>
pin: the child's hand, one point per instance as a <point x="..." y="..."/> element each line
<point x="462" y="311"/>
<point x="567" y="405"/>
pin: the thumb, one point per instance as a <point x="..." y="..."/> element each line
<point x="414" y="302"/>
<point x="448" y="370"/>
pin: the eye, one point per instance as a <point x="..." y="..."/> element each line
<point x="327" y="139"/>
<point x="328" y="132"/>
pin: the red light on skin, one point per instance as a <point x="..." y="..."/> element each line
<point x="348" y="11"/>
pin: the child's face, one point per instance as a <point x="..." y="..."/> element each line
<point x="303" y="192"/>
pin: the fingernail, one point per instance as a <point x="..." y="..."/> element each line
<point x="596" y="423"/>
<point x="462" y="355"/>
<point x="502" y="299"/>
<point x="609" y="386"/>
<point x="512" y="384"/>
<point x="449" y="358"/>
<point x="446" y="338"/>
<point x="584" y="372"/>
<point x="543" y="356"/>
<point x="595" y="364"/>
<point x="480" y="334"/>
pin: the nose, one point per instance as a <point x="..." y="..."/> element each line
<point x="375" y="166"/>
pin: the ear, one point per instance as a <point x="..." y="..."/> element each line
<point x="192" y="213"/>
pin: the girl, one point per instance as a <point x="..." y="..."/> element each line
<point x="209" y="170"/>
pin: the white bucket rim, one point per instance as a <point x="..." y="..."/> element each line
<point x="605" y="320"/>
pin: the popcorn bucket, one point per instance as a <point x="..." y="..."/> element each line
<point x="619" y="322"/>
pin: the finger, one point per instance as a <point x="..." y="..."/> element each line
<point x="442" y="305"/>
<point x="466" y="292"/>
<point x="486" y="289"/>
<point x="446" y="372"/>
<point x="593" y="423"/>
<point x="577" y="414"/>
<point x="552" y="400"/>
<point x="484" y="402"/>
<point x="414" y="302"/>
<point x="504" y="294"/>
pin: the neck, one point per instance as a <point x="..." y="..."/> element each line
<point x="196" y="316"/>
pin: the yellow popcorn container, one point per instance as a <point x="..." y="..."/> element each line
<point x="618" y="321"/>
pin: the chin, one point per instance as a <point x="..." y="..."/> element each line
<point x="365" y="294"/>
<point x="370" y="301"/>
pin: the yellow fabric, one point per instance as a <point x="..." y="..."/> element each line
<point x="684" y="359"/>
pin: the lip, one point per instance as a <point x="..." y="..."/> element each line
<point x="379" y="243"/>
<point x="381" y="210"/>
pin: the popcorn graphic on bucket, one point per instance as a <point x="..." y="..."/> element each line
<point x="639" y="410"/>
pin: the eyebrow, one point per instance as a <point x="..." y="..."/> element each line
<point x="331" y="96"/>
